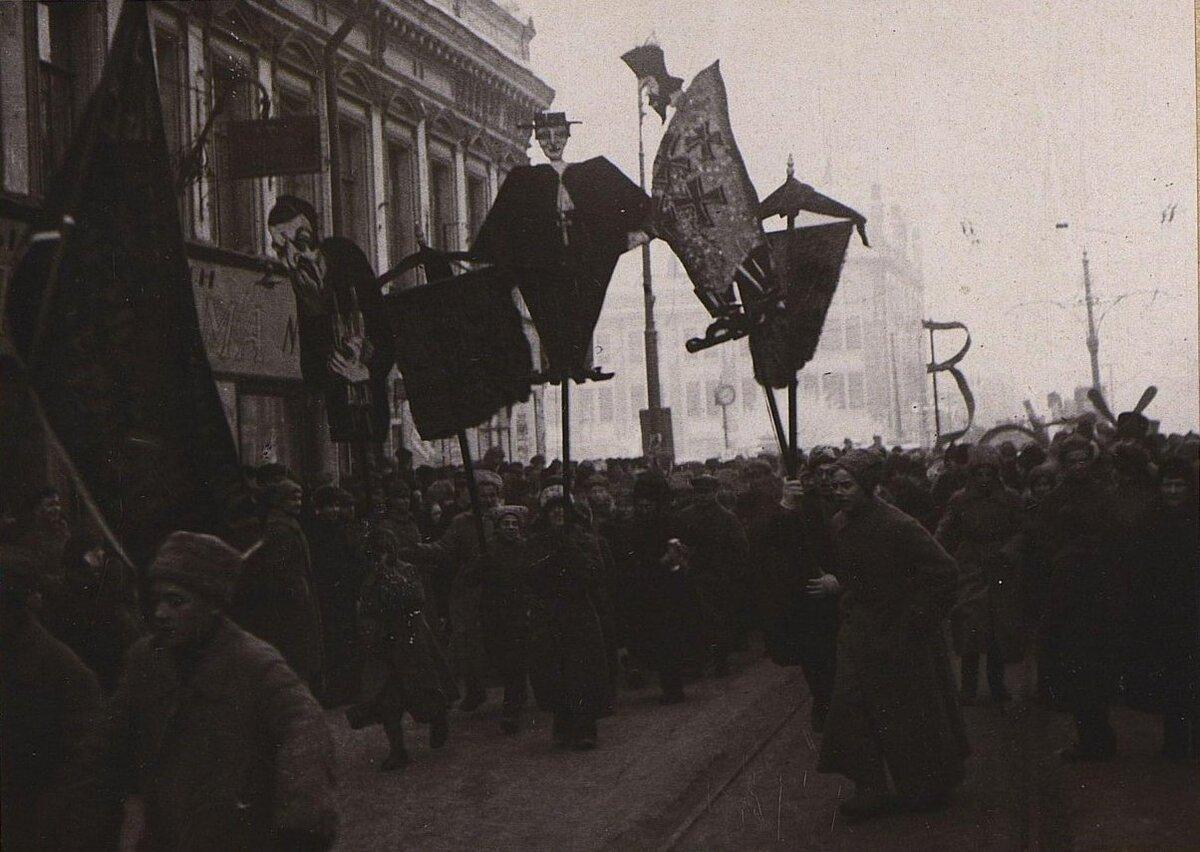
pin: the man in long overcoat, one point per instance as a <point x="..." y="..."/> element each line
<point x="895" y="709"/>
<point x="225" y="745"/>
<point x="979" y="523"/>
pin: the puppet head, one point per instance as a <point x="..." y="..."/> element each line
<point x="293" y="226"/>
<point x="552" y="130"/>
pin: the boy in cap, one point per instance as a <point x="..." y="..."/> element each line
<point x="225" y="744"/>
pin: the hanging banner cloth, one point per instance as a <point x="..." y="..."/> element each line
<point x="950" y="365"/>
<point x="705" y="207"/>
<point x="786" y="336"/>
<point x="462" y="350"/>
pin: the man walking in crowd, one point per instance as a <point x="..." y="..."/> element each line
<point x="225" y="745"/>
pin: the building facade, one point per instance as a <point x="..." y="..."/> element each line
<point x="429" y="94"/>
<point x="868" y="376"/>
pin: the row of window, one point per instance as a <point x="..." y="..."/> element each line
<point x="605" y="403"/>
<point x="70" y="44"/>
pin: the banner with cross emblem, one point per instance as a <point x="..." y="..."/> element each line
<point x="705" y="207"/>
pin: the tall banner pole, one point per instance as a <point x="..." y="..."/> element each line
<point x="464" y="447"/>
<point x="566" y="437"/>
<point x="793" y="384"/>
<point x="937" y="412"/>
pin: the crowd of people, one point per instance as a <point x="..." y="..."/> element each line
<point x="202" y="688"/>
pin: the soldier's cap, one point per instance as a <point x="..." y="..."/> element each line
<point x="543" y="120"/>
<point x="202" y="564"/>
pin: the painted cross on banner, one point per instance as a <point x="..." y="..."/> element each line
<point x="706" y="209"/>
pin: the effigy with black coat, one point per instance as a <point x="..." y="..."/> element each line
<point x="562" y="260"/>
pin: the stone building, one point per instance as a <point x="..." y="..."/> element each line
<point x="429" y="96"/>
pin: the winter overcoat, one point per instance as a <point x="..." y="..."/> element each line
<point x="233" y="756"/>
<point x="894" y="695"/>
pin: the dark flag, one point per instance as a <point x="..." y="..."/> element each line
<point x="462" y="350"/>
<point x="705" y="207"/>
<point x="101" y="311"/>
<point x="648" y="64"/>
<point x="787" y="337"/>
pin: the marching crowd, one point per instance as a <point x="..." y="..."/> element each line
<point x="200" y="693"/>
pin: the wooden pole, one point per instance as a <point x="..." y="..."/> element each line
<point x="793" y="418"/>
<point x="937" y="412"/>
<point x="777" y="422"/>
<point x="473" y="489"/>
<point x="566" y="437"/>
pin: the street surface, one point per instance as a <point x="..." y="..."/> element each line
<point x="733" y="768"/>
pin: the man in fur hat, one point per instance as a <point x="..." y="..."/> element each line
<point x="275" y="599"/>
<point x="226" y="746"/>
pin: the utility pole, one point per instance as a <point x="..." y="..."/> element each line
<point x="1093" y="337"/>
<point x="656" y="421"/>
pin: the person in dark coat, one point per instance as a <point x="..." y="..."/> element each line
<point x="659" y="608"/>
<point x="1084" y="606"/>
<point x="338" y="572"/>
<point x="977" y="528"/>
<point x="504" y="610"/>
<point x="717" y="543"/>
<point x="49" y="700"/>
<point x="405" y="669"/>
<point x="225" y="745"/>
<point x="791" y="546"/>
<point x="1163" y="667"/>
<point x="568" y="664"/>
<point x="275" y="599"/>
<point x="97" y="613"/>
<point x="895" y="710"/>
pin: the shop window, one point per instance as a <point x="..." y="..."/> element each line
<point x="855" y="394"/>
<point x="355" y="184"/>
<point x="264" y="433"/>
<point x="401" y="204"/>
<point x="232" y="202"/>
<point x="295" y="101"/>
<point x="441" y="214"/>
<point x="808" y="387"/>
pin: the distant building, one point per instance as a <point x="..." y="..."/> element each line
<point x="868" y="377"/>
<point x="430" y="96"/>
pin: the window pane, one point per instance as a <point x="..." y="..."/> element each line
<point x="750" y="394"/>
<point x="855" y="396"/>
<point x="833" y="389"/>
<point x="355" y="184"/>
<point x="831" y="336"/>
<point x="295" y="102"/>
<point x="695" y="400"/>
<point x="169" y="58"/>
<point x="637" y="400"/>
<point x="441" y="184"/>
<point x="605" y="399"/>
<point x="477" y="202"/>
<point x="401" y="205"/>
<point x="853" y="333"/>
<point x="264" y="435"/>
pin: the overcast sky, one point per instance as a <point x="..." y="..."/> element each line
<point x="1009" y="115"/>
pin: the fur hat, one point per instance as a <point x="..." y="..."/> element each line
<point x="488" y="477"/>
<point x="651" y="485"/>
<point x="203" y="564"/>
<point x="865" y="466"/>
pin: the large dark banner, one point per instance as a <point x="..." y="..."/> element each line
<point x="462" y="350"/>
<point x="808" y="263"/>
<point x="106" y="324"/>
